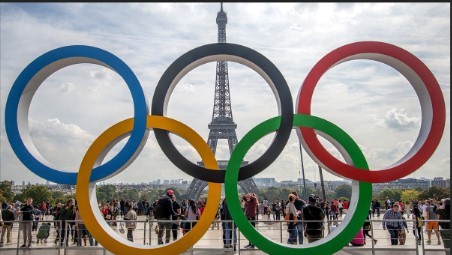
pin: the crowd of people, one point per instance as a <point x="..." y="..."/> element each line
<point x="304" y="218"/>
<point x="432" y="214"/>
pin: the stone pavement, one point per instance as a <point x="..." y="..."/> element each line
<point x="211" y="242"/>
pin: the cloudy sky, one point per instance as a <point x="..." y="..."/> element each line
<point x="371" y="101"/>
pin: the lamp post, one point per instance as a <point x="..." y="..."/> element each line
<point x="303" y="192"/>
<point x="321" y="184"/>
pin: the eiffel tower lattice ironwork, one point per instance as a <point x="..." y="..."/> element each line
<point x="222" y="125"/>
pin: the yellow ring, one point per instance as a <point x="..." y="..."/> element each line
<point x="88" y="204"/>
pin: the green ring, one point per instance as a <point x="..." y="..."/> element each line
<point x="358" y="209"/>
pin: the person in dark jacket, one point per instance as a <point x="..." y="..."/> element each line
<point x="229" y="228"/>
<point x="313" y="217"/>
<point x="27" y="212"/>
<point x="164" y="217"/>
<point x="8" y="218"/>
<point x="67" y="213"/>
<point x="444" y="216"/>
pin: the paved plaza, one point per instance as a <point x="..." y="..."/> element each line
<point x="212" y="242"/>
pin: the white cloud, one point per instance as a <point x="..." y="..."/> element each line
<point x="370" y="101"/>
<point x="398" y="119"/>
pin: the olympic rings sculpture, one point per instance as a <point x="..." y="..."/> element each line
<point x="138" y="128"/>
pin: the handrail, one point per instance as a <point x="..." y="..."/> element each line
<point x="277" y="229"/>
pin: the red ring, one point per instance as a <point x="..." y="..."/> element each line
<point x="427" y="89"/>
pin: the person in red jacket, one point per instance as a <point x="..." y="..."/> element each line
<point x="251" y="203"/>
<point x="345" y="205"/>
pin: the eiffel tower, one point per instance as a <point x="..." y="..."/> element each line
<point x="222" y="125"/>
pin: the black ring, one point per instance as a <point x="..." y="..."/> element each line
<point x="168" y="81"/>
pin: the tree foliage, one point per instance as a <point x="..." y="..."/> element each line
<point x="434" y="191"/>
<point x="131" y="194"/>
<point x="37" y="192"/>
<point x="344" y="190"/>
<point x="409" y="195"/>
<point x="106" y="193"/>
<point x="391" y="194"/>
<point x="152" y="195"/>
<point x="6" y="193"/>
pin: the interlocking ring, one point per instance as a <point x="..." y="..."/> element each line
<point x="24" y="88"/>
<point x="359" y="206"/>
<point x="86" y="190"/>
<point x="224" y="52"/>
<point x="355" y="168"/>
<point x="426" y="87"/>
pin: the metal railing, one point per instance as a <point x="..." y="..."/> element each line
<point x="145" y="233"/>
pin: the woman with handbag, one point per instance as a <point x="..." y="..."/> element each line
<point x="291" y="218"/>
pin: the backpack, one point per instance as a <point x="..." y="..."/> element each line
<point x="157" y="209"/>
<point x="277" y="207"/>
<point x="314" y="227"/>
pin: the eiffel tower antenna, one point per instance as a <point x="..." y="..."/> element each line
<point x="222" y="125"/>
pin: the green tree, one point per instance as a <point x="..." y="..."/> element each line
<point x="37" y="192"/>
<point x="432" y="191"/>
<point x="57" y="197"/>
<point x="106" y="193"/>
<point x="151" y="195"/>
<point x="129" y="194"/>
<point x="6" y="190"/>
<point x="3" y="199"/>
<point x="344" y="190"/>
<point x="409" y="195"/>
<point x="391" y="194"/>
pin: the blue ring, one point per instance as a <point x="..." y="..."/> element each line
<point x="39" y="70"/>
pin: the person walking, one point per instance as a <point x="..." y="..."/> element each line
<point x="175" y="227"/>
<point x="432" y="223"/>
<point x="313" y="217"/>
<point x="7" y="216"/>
<point x="78" y="227"/>
<point x="334" y="212"/>
<point x="299" y="204"/>
<point x="377" y="207"/>
<point x="67" y="214"/>
<point x="291" y="211"/>
<point x="340" y="205"/>
<point x="229" y="228"/>
<point x="392" y="221"/>
<point x="191" y="215"/>
<point x="82" y="231"/>
<point x="408" y="209"/>
<point x="266" y="204"/>
<point x="367" y="227"/>
<point x="277" y="210"/>
<point x="56" y="223"/>
<point x="444" y="216"/>
<point x="250" y="212"/>
<point x="164" y="216"/>
<point x="37" y="217"/>
<point x="131" y="221"/>
<point x="417" y="223"/>
<point x="27" y="213"/>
